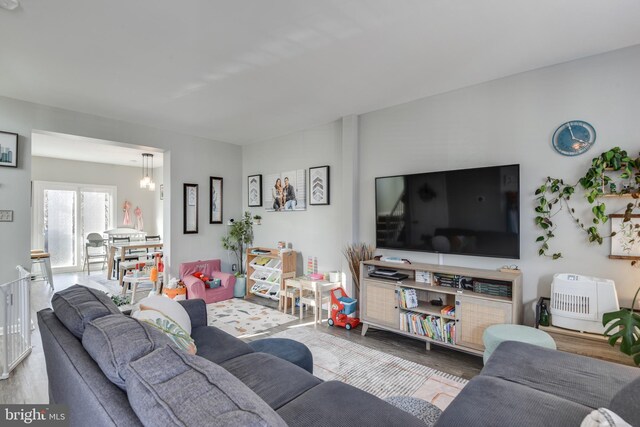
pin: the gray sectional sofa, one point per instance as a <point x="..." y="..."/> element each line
<point x="270" y="388"/>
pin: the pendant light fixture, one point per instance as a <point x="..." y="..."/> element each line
<point x="147" y="172"/>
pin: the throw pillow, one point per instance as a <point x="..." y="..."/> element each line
<point x="603" y="418"/>
<point x="169" y="327"/>
<point x="115" y="340"/>
<point x="169" y="308"/>
<point x="171" y="388"/>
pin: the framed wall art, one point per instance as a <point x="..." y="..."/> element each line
<point x="286" y="191"/>
<point x="255" y="190"/>
<point x="8" y="149"/>
<point x="319" y="185"/>
<point x="626" y="242"/>
<point x="190" y="209"/>
<point x="215" y="200"/>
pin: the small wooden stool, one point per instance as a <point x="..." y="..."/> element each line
<point x="43" y="259"/>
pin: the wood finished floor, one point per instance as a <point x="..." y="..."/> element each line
<point x="28" y="382"/>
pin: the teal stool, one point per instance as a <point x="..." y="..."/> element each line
<point x="496" y="334"/>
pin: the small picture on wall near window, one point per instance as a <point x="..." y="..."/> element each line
<point x="319" y="185"/>
<point x="8" y="149"/>
<point x="286" y="191"/>
<point x="215" y="200"/>
<point x="625" y="244"/>
<point x="255" y="190"/>
<point x="190" y="225"/>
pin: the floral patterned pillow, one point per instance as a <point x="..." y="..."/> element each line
<point x="170" y="327"/>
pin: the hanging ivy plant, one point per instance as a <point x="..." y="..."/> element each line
<point x="555" y="195"/>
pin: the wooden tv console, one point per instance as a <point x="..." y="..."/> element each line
<point x="381" y="304"/>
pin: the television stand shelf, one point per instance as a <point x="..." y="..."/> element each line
<point x="406" y="307"/>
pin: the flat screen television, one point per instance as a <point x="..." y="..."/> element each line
<point x="464" y="212"/>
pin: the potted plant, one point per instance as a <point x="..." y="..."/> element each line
<point x="258" y="219"/>
<point x="239" y="237"/>
<point x="624" y="325"/>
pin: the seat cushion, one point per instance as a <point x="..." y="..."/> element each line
<point x="626" y="402"/>
<point x="216" y="345"/>
<point x="488" y="401"/>
<point x="584" y="380"/>
<point x="115" y="340"/>
<point x="169" y="387"/>
<point x="78" y="305"/>
<point x="289" y="350"/>
<point x="273" y="379"/>
<point x="338" y="404"/>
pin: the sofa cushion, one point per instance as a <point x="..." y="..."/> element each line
<point x="626" y="402"/>
<point x="584" y="380"/>
<point x="273" y="379"/>
<point x="169" y="327"/>
<point x="338" y="404"/>
<point x="170" y="308"/>
<point x="216" y="345"/>
<point x="78" y="305"/>
<point x="115" y="340"/>
<point x="170" y="387"/>
<point x="489" y="401"/>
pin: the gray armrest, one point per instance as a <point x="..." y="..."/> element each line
<point x="197" y="310"/>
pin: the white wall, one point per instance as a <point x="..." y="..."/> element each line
<point x="506" y="121"/>
<point x="314" y="232"/>
<point x="124" y="178"/>
<point x="186" y="159"/>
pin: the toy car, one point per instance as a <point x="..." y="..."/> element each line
<point x="341" y="307"/>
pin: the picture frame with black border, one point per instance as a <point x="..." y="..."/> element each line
<point x="190" y="219"/>
<point x="254" y="191"/>
<point x="8" y="149"/>
<point x="215" y="200"/>
<point x="319" y="186"/>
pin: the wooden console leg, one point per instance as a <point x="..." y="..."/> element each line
<point x="364" y="328"/>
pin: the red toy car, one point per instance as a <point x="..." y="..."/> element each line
<point x="341" y="307"/>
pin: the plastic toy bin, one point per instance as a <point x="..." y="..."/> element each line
<point x="349" y="304"/>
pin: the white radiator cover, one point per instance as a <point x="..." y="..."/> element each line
<point x="578" y="302"/>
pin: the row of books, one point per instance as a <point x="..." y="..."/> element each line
<point x="434" y="327"/>
<point x="448" y="310"/>
<point x="408" y="298"/>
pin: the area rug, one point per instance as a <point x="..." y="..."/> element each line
<point x="244" y="319"/>
<point x="376" y="372"/>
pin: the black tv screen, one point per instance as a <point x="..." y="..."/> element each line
<point x="464" y="212"/>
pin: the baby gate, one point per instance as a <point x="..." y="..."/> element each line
<point x="15" y="322"/>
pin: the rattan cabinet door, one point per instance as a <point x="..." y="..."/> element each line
<point x="380" y="304"/>
<point x="475" y="315"/>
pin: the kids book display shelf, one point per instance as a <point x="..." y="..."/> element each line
<point x="267" y="269"/>
<point x="443" y="305"/>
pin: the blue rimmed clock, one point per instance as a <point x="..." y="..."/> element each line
<point x="573" y="138"/>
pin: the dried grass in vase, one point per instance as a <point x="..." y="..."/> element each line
<point x="356" y="253"/>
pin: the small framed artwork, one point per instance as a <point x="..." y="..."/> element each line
<point x="215" y="200"/>
<point x="190" y="209"/>
<point x="626" y="242"/>
<point x="8" y="149"/>
<point x="319" y="185"/>
<point x="255" y="190"/>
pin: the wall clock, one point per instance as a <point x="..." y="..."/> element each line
<point x="573" y="138"/>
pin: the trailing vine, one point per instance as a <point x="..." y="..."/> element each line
<point x="554" y="195"/>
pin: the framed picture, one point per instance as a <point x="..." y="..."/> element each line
<point x="190" y="209"/>
<point x="319" y="185"/>
<point x="255" y="190"/>
<point x="215" y="200"/>
<point x="9" y="149"/>
<point x="626" y="242"/>
<point x="286" y="191"/>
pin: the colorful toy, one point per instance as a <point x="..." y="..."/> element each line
<point x="341" y="307"/>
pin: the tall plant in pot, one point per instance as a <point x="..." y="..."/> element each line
<point x="239" y="237"/>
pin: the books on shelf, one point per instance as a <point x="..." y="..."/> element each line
<point x="408" y="298"/>
<point x="448" y="310"/>
<point x="433" y="327"/>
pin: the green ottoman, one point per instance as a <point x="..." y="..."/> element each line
<point x="496" y="334"/>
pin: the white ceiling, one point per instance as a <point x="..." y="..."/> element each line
<point x="246" y="70"/>
<point x="70" y="147"/>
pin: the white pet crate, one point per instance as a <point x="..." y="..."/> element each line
<point x="15" y="322"/>
<point x="578" y="302"/>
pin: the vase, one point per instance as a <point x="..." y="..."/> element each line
<point x="240" y="289"/>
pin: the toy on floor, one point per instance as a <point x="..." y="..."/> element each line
<point x="341" y="307"/>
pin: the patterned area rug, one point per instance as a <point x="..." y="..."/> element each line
<point x="378" y="373"/>
<point x="244" y="319"/>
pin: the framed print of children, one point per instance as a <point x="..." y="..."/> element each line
<point x="285" y="191"/>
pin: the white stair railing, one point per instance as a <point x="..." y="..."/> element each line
<point x="15" y="322"/>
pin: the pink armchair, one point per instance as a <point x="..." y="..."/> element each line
<point x="195" y="286"/>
